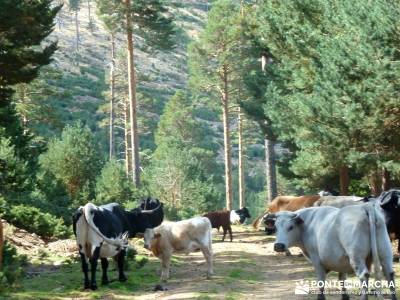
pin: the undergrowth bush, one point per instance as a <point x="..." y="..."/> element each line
<point x="12" y="267"/>
<point x="33" y="220"/>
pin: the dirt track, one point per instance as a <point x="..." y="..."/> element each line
<point x="247" y="268"/>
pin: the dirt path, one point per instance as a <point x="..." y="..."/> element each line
<point x="247" y="268"/>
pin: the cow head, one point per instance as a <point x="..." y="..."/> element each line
<point x="269" y="222"/>
<point x="390" y="203"/>
<point x="288" y="230"/>
<point x="157" y="215"/>
<point x="151" y="239"/>
<point x="240" y="215"/>
<point x="149" y="203"/>
<point x="390" y="200"/>
<point x="141" y="219"/>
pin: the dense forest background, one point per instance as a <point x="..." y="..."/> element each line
<point x="228" y="93"/>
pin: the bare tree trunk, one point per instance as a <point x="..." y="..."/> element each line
<point x="386" y="182"/>
<point x="270" y="169"/>
<point x="242" y="202"/>
<point x="59" y="16"/>
<point x="375" y="183"/>
<point x="89" y="14"/>
<point x="76" y="31"/>
<point x="270" y="164"/>
<point x="128" y="156"/>
<point x="112" y="85"/>
<point x="132" y="97"/>
<point x="227" y="143"/>
<point x="1" y="244"/>
<point x="344" y="180"/>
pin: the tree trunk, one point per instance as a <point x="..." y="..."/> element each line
<point x="386" y="183"/>
<point x="242" y="202"/>
<point x="270" y="168"/>
<point x="375" y="182"/>
<point x="1" y="244"/>
<point x="112" y="84"/>
<point x="89" y="14"/>
<point x="132" y="97"/>
<point x="227" y="143"/>
<point x="344" y="180"/>
<point x="128" y="155"/>
<point x="270" y="164"/>
<point x="76" y="31"/>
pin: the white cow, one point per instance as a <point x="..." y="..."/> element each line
<point x="339" y="201"/>
<point x="183" y="236"/>
<point x="341" y="240"/>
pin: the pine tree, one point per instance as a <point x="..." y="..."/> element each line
<point x="213" y="62"/>
<point x="326" y="79"/>
<point x="74" y="160"/>
<point x="183" y="169"/>
<point x="157" y="30"/>
<point x="74" y="6"/>
<point x="22" y="56"/>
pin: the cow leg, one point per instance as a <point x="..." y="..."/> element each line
<point x="342" y="279"/>
<point x="387" y="269"/>
<point x="104" y="266"/>
<point x="321" y="276"/>
<point x="225" y="229"/>
<point x="230" y="232"/>
<point x="165" y="265"/>
<point x="397" y="259"/>
<point x="93" y="266"/>
<point x="121" y="257"/>
<point x="85" y="269"/>
<point x="208" y="256"/>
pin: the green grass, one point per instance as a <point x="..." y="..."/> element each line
<point x="67" y="283"/>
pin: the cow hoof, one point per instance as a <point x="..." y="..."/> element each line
<point x="86" y="286"/>
<point x="345" y="297"/>
<point x="93" y="287"/>
<point x="159" y="287"/>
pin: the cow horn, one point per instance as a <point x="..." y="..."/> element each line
<point x="148" y="211"/>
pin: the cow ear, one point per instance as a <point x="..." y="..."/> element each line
<point x="298" y="220"/>
<point x="157" y="235"/>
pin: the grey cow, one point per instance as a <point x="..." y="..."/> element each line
<point x="339" y="201"/>
<point x="340" y="240"/>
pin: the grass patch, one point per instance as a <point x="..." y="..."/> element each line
<point x="67" y="282"/>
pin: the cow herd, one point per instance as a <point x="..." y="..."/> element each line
<point x="341" y="234"/>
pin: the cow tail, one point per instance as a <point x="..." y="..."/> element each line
<point x="256" y="222"/>
<point x="374" y="248"/>
<point x="120" y="241"/>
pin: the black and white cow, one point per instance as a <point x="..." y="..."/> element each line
<point x="103" y="231"/>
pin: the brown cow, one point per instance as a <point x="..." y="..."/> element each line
<point x="288" y="203"/>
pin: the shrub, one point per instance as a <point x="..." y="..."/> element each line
<point x="12" y="268"/>
<point x="33" y="220"/>
<point x="113" y="185"/>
